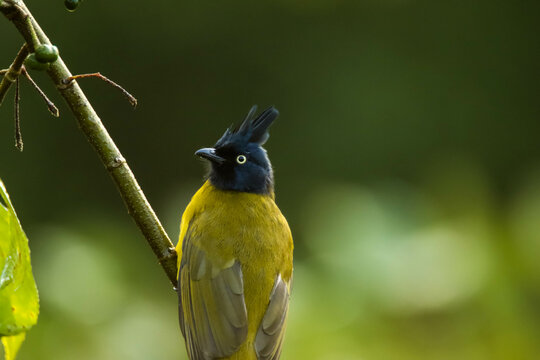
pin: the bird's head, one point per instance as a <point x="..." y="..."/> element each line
<point x="238" y="160"/>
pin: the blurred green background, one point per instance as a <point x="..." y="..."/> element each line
<point x="407" y="161"/>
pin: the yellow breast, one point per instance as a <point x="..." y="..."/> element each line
<point x="248" y="228"/>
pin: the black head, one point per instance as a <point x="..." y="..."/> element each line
<point x="238" y="161"/>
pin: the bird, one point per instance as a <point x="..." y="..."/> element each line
<point x="235" y="252"/>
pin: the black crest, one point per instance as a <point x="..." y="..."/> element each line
<point x="252" y="130"/>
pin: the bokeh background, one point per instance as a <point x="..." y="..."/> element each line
<point x="407" y="161"/>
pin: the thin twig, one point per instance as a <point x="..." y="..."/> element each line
<point x="3" y="72"/>
<point x="18" y="135"/>
<point x="13" y="72"/>
<point x="50" y="105"/>
<point x="98" y="75"/>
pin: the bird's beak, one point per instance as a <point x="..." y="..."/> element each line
<point x="210" y="154"/>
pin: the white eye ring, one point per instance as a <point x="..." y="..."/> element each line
<point x="241" y="159"/>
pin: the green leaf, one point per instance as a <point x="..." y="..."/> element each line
<point x="12" y="345"/>
<point x="19" y="302"/>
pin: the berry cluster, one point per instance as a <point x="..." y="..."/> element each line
<point x="42" y="57"/>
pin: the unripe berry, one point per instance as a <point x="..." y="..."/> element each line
<point x="71" y="5"/>
<point x="31" y="63"/>
<point x="46" y="53"/>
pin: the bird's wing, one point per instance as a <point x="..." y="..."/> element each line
<point x="213" y="315"/>
<point x="270" y="334"/>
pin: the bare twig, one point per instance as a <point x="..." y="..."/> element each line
<point x="98" y="75"/>
<point x="12" y="74"/>
<point x="92" y="127"/>
<point x="50" y="105"/>
<point x="18" y="135"/>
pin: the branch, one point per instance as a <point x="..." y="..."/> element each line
<point x="50" y="105"/>
<point x="128" y="96"/>
<point x="12" y="74"/>
<point x="92" y="127"/>
<point x="18" y="135"/>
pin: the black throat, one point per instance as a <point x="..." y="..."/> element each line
<point x="254" y="180"/>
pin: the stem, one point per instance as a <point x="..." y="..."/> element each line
<point x="128" y="96"/>
<point x="33" y="35"/>
<point x="18" y="135"/>
<point x="12" y="74"/>
<point x="92" y="127"/>
<point x="50" y="105"/>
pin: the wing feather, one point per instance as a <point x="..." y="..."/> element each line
<point x="213" y="315"/>
<point x="270" y="334"/>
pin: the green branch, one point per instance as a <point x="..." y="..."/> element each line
<point x="92" y="127"/>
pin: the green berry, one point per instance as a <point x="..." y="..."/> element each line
<point x="71" y="5"/>
<point x="31" y="63"/>
<point x="46" y="53"/>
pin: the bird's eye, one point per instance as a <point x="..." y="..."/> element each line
<point x="241" y="159"/>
